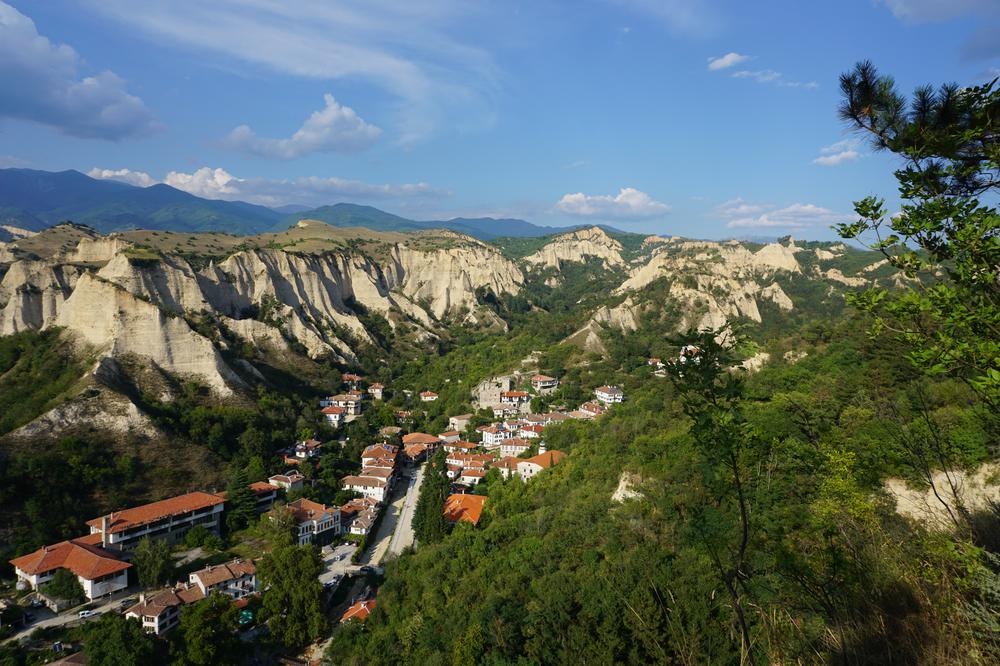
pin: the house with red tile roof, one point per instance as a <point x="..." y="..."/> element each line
<point x="507" y="466"/>
<point x="265" y="494"/>
<point x="99" y="571"/>
<point x="514" y="447"/>
<point x="493" y="436"/>
<point x="428" y="396"/>
<point x="168" y="519"/>
<point x="376" y="489"/>
<point x="421" y="438"/>
<point x="358" y="611"/>
<point x="333" y="415"/>
<point x="236" y="579"/>
<point x="470" y="477"/>
<point x="466" y="508"/>
<point x="449" y="436"/>
<point x="543" y="384"/>
<point x="377" y="391"/>
<point x="465" y="447"/>
<point x="609" y="394"/>
<point x="317" y="522"/>
<point x="529" y="467"/>
<point x="161" y="612"/>
<point x="290" y="480"/>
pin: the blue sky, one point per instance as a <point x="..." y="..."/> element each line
<point x="701" y="118"/>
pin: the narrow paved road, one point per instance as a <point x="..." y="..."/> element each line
<point x="403" y="535"/>
<point x="393" y="512"/>
<point x="71" y="617"/>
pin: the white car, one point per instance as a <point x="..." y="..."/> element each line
<point x="86" y="613"/>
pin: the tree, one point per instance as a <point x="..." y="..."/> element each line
<point x="153" y="563"/>
<point x="727" y="453"/>
<point x="429" y="525"/>
<point x="293" y="596"/>
<point x="208" y="632"/>
<point x="241" y="506"/>
<point x="65" y="586"/>
<point x="280" y="526"/>
<point x="949" y="322"/>
<point x="115" y="640"/>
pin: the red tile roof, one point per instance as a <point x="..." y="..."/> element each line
<point x="333" y="409"/>
<point x="467" y="508"/>
<point x="219" y="573"/>
<point x="542" y="378"/>
<point x="547" y="459"/>
<point x="305" y="509"/>
<point x="420" y="438"/>
<point x="262" y="488"/>
<point x="148" y="513"/>
<point x="83" y="559"/>
<point x="359" y="611"/>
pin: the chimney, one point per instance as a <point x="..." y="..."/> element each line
<point x="105" y="525"/>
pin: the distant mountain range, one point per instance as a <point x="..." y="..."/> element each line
<point x="34" y="200"/>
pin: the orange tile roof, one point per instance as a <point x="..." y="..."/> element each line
<point x="420" y="438"/>
<point x="155" y="605"/>
<point x="262" y="488"/>
<point x="219" y="573"/>
<point x="464" y="507"/>
<point x="514" y="394"/>
<point x="542" y="378"/>
<point x="359" y="611"/>
<point x="363" y="481"/>
<point x="83" y="559"/>
<point x="148" y="513"/>
<point x="547" y="459"/>
<point x="305" y="509"/>
<point x="333" y="409"/>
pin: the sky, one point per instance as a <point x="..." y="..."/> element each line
<point x="701" y="118"/>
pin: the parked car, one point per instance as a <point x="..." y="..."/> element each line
<point x="125" y="603"/>
<point x="36" y="603"/>
<point x="86" y="613"/>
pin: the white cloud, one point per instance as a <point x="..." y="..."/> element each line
<point x="335" y="128"/>
<point x="309" y="190"/>
<point x="138" y="178"/>
<point x="919" y="11"/>
<point x="405" y="49"/>
<point x="738" y="207"/>
<point x="726" y="61"/>
<point x="838" y="153"/>
<point x="41" y="83"/>
<point x="772" y="77"/>
<point x="795" y="216"/>
<point x="629" y="203"/>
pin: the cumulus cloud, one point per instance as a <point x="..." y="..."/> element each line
<point x="921" y="11"/>
<point x="738" y="207"/>
<point x="138" y="178"/>
<point x="333" y="129"/>
<point x="838" y="153"/>
<point x="726" y="61"/>
<point x="795" y="216"/>
<point x="629" y="203"/>
<point x="309" y="190"/>
<point x="42" y="83"/>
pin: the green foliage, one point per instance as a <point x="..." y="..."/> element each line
<point x="208" y="633"/>
<point x="64" y="585"/>
<point x="241" y="506"/>
<point x="114" y="640"/>
<point x="36" y="371"/>
<point x="293" y="596"/>
<point x="152" y="561"/>
<point x="945" y="234"/>
<point x="429" y="525"/>
<point x="42" y="513"/>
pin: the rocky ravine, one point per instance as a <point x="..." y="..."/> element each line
<point x="711" y="282"/>
<point x="119" y="301"/>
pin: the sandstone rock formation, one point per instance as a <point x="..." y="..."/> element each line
<point x="576" y="246"/>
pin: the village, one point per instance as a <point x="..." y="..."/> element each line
<point x="354" y="538"/>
